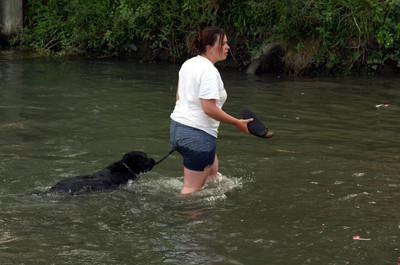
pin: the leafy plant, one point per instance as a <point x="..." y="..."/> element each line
<point x="326" y="36"/>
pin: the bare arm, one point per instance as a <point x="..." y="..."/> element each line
<point x="211" y="109"/>
<point x="177" y="92"/>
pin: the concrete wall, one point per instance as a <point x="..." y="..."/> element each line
<point x="10" y="16"/>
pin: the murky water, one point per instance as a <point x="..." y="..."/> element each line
<point x="324" y="190"/>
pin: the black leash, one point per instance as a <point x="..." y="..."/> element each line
<point x="162" y="159"/>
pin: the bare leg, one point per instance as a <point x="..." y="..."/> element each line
<point x="195" y="180"/>
<point x="213" y="170"/>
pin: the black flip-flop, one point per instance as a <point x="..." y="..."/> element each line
<point x="256" y="127"/>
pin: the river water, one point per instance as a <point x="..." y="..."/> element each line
<point x="323" y="190"/>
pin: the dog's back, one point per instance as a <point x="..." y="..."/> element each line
<point x="73" y="185"/>
<point x="128" y="168"/>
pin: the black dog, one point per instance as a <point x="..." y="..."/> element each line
<point x="129" y="167"/>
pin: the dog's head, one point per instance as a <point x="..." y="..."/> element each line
<point x="138" y="162"/>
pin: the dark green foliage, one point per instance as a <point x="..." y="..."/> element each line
<point x="342" y="36"/>
<point x="314" y="37"/>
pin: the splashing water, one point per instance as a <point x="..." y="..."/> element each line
<point x="214" y="190"/>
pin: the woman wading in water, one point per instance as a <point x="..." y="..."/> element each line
<point x="197" y="114"/>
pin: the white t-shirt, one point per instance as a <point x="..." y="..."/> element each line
<point x="198" y="79"/>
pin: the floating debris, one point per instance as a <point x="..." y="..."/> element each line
<point x="284" y="151"/>
<point x="360" y="238"/>
<point x="382" y="105"/>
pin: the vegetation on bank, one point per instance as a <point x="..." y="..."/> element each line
<point x="313" y="37"/>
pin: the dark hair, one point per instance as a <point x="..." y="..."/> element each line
<point x="207" y="36"/>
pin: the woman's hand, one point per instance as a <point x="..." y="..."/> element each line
<point x="241" y="126"/>
<point x="211" y="109"/>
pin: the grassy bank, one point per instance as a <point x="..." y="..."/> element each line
<point x="337" y="37"/>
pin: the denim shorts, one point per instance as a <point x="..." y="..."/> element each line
<point x="196" y="146"/>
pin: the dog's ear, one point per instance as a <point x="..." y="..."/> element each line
<point x="125" y="156"/>
<point x="138" y="161"/>
<point x="134" y="154"/>
<point x="129" y="155"/>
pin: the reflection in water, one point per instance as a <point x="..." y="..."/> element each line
<point x="195" y="213"/>
<point x="330" y="174"/>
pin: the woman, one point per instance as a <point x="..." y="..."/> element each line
<point x="197" y="114"/>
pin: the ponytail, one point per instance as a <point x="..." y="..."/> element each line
<point x="208" y="36"/>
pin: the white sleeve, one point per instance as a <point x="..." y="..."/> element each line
<point x="209" y="85"/>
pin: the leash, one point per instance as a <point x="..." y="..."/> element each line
<point x="162" y="159"/>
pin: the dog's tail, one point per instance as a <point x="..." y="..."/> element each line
<point x="162" y="159"/>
